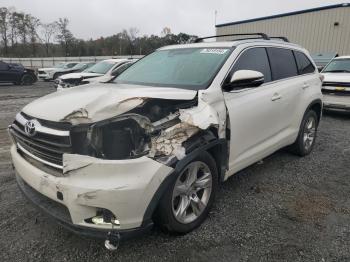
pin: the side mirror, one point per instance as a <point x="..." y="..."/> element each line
<point x="245" y="79"/>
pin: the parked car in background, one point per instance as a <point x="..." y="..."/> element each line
<point x="48" y="74"/>
<point x="336" y="84"/>
<point x="154" y="144"/>
<point x="79" y="67"/>
<point x="103" y="71"/>
<point x="16" y="74"/>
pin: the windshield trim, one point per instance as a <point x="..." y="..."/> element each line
<point x="187" y="86"/>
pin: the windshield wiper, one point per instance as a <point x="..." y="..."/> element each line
<point x="337" y="71"/>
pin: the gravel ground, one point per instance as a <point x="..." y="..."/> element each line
<point x="284" y="208"/>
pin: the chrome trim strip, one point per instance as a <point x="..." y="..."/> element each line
<point x="41" y="129"/>
<point x="37" y="158"/>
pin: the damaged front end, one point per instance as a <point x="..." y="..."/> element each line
<point x="156" y="128"/>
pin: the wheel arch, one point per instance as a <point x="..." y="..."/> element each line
<point x="316" y="106"/>
<point x="208" y="142"/>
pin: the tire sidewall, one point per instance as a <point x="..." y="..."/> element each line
<point x="165" y="212"/>
<point x="301" y="145"/>
<point x="27" y="76"/>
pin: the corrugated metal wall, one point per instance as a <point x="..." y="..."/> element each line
<point x="315" y="30"/>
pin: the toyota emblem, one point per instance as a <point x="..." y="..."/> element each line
<point x="29" y="128"/>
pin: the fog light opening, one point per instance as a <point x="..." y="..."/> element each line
<point x="99" y="220"/>
<point x="104" y="217"/>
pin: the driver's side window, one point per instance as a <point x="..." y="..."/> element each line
<point x="255" y="59"/>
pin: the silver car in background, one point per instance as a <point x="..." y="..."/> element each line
<point x="103" y="71"/>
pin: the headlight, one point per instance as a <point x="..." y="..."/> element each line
<point x="120" y="138"/>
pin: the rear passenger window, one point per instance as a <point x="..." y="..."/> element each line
<point x="304" y="64"/>
<point x="253" y="59"/>
<point x="282" y="63"/>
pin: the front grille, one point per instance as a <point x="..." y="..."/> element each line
<point x="335" y="92"/>
<point x="45" y="147"/>
<point x="41" y="72"/>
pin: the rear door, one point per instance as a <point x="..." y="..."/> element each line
<point x="310" y="80"/>
<point x="254" y="113"/>
<point x="288" y="89"/>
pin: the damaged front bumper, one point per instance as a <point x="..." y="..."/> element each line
<point x="124" y="187"/>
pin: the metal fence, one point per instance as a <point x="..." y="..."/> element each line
<point x="40" y="62"/>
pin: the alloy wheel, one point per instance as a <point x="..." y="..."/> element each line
<point x="309" y="133"/>
<point x="192" y="192"/>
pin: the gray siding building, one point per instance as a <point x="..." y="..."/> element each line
<point x="320" y="30"/>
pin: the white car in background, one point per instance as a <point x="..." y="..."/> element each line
<point x="47" y="74"/>
<point x="336" y="84"/>
<point x="103" y="71"/>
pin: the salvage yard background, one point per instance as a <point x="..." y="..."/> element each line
<point x="283" y="208"/>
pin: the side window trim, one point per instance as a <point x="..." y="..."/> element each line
<point x="296" y="61"/>
<point x="296" y="64"/>
<point x="265" y="47"/>
<point x="228" y="73"/>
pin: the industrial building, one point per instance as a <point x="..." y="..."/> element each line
<point x="320" y="30"/>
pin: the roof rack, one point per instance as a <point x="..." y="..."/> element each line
<point x="283" y="38"/>
<point x="262" y="35"/>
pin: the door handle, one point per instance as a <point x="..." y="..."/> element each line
<point x="306" y="86"/>
<point x="276" y="96"/>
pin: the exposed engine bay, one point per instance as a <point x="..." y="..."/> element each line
<point x="153" y="128"/>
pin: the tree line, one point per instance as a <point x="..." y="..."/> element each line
<point x="23" y="35"/>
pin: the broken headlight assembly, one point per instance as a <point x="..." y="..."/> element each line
<point x="133" y="135"/>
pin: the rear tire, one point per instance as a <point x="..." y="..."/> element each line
<point x="307" y="134"/>
<point x="189" y="198"/>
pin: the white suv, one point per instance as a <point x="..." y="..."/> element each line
<point x="155" y="144"/>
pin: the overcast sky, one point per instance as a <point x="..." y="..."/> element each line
<point x="95" y="18"/>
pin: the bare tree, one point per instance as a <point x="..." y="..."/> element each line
<point x="166" y="31"/>
<point x="22" y="27"/>
<point x="14" y="21"/>
<point x="65" y="37"/>
<point x="48" y="32"/>
<point x="32" y="24"/>
<point x="131" y="36"/>
<point x="4" y="26"/>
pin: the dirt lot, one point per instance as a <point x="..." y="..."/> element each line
<point x="285" y="208"/>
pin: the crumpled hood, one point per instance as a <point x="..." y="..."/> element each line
<point x="337" y="77"/>
<point x="96" y="102"/>
<point x="79" y="75"/>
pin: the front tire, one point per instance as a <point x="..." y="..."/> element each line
<point x="27" y="80"/>
<point x="189" y="198"/>
<point x="307" y="134"/>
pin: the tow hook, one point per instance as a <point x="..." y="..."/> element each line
<point x="112" y="241"/>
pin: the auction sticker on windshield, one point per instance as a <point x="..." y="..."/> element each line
<point x="214" y="51"/>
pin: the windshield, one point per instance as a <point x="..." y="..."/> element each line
<point x="100" y="68"/>
<point x="338" y="66"/>
<point x="190" y="68"/>
<point x="79" y="66"/>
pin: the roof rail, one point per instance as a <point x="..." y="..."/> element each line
<point x="283" y="38"/>
<point x="262" y="35"/>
